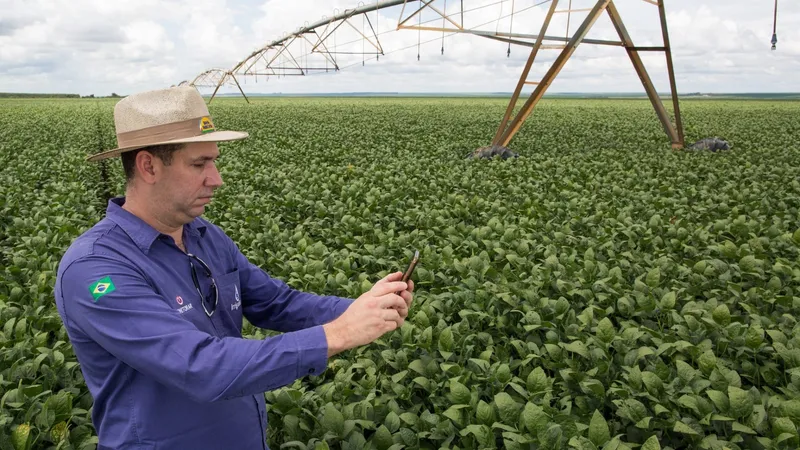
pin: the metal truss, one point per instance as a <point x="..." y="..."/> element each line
<point x="314" y="48"/>
<point x="506" y="130"/>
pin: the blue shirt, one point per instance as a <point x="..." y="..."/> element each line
<point x="163" y="374"/>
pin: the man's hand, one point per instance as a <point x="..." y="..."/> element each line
<point x="371" y="315"/>
<point x="407" y="295"/>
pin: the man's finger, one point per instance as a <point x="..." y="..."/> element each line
<point x="407" y="296"/>
<point x="394" y="276"/>
<point x="410" y="286"/>
<point x="403" y="312"/>
<point x="391" y="301"/>
<point x="388" y="287"/>
<point x="390" y="314"/>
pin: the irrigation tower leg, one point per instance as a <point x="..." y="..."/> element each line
<point x="525" y="71"/>
<point x="652" y="94"/>
<point x="506" y="131"/>
<point x="672" y="85"/>
<point x="551" y="74"/>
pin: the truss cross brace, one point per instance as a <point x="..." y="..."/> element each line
<point x="506" y="130"/>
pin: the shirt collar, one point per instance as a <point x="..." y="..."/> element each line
<point x="140" y="231"/>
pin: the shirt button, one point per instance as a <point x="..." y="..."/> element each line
<point x="311" y="370"/>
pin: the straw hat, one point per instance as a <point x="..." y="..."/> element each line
<point x="174" y="115"/>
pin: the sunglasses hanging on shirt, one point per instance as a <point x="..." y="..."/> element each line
<point x="207" y="271"/>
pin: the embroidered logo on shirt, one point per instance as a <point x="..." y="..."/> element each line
<point x="102" y="287"/>
<point x="238" y="300"/>
<point x="183" y="309"/>
<point x="179" y="299"/>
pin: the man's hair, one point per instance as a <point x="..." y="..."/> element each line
<point x="163" y="152"/>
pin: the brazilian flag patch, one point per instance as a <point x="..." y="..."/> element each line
<point x="102" y="287"/>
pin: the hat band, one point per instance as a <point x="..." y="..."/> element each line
<point x="163" y="133"/>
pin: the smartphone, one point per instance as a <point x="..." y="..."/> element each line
<point x="410" y="268"/>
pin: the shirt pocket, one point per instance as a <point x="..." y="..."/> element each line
<point x="230" y="303"/>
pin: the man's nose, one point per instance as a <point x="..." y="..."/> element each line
<point x="213" y="178"/>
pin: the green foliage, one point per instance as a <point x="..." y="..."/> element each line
<point x="601" y="291"/>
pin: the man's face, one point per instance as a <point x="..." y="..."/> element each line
<point x="188" y="183"/>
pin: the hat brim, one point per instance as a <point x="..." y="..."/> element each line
<point x="215" y="136"/>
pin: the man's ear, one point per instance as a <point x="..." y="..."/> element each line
<point x="146" y="166"/>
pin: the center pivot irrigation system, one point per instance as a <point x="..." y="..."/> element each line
<point x="314" y="48"/>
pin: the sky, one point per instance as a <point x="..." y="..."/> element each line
<point x="101" y="47"/>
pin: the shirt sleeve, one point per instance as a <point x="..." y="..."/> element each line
<point x="270" y="303"/>
<point x="135" y="324"/>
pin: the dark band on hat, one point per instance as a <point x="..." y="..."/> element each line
<point x="167" y="132"/>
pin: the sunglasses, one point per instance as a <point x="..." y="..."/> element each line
<point x="207" y="271"/>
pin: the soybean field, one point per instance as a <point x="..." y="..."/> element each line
<point x="601" y="291"/>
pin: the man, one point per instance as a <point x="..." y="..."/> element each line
<point x="153" y="297"/>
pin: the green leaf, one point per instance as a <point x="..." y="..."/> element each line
<point x="60" y="404"/>
<point x="791" y="409"/>
<point x="653" y="278"/>
<point x="552" y="438"/>
<point x="332" y="420"/>
<point x="460" y="393"/>
<point x="446" y="340"/>
<point x="485" y="413"/>
<point x="651" y="444"/>
<point x="754" y="337"/>
<point x="454" y="414"/>
<point x="741" y="402"/>
<point x="749" y="264"/>
<point x="720" y="400"/>
<point x="774" y="284"/>
<point x="503" y="373"/>
<point x="577" y="347"/>
<point x="383" y="438"/>
<point x="652" y="382"/>
<point x="417" y="366"/>
<point x="599" y="433"/>
<point x="681" y="427"/>
<point x="421" y="319"/>
<point x="722" y="315"/>
<point x="392" y="421"/>
<point x="685" y="371"/>
<point x="781" y="438"/>
<point x="739" y="428"/>
<point x="399" y="376"/>
<point x="45" y="419"/>
<point x="605" y="330"/>
<point x="20" y="437"/>
<point x="644" y="423"/>
<point x="659" y="409"/>
<point x="777" y="336"/>
<point x="60" y="432"/>
<point x="707" y="362"/>
<point x="534" y="419"/>
<point x="667" y="301"/>
<point x="633" y="410"/>
<point x="507" y="408"/>
<point x="537" y="380"/>
<point x="481" y="432"/>
<point x="409" y="418"/>
<point x="89" y="444"/>
<point x="781" y="425"/>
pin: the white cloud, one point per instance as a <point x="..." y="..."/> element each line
<point x="98" y="46"/>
